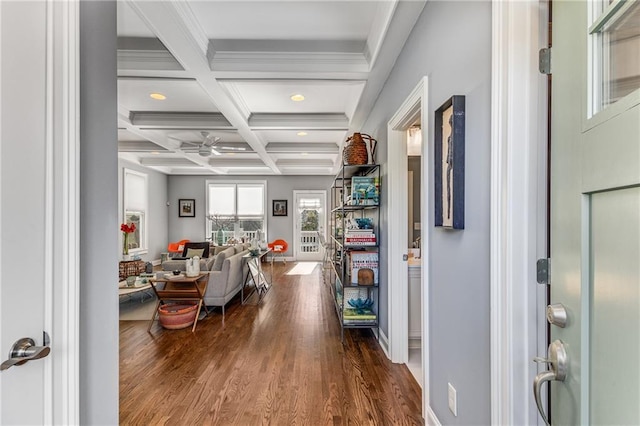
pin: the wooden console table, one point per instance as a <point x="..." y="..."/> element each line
<point x="256" y="279"/>
<point x="181" y="288"/>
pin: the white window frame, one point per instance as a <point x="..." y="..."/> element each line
<point x="237" y="184"/>
<point x="144" y="212"/>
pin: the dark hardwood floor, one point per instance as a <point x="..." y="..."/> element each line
<point x="279" y="363"/>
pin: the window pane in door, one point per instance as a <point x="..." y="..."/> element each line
<point x="621" y="57"/>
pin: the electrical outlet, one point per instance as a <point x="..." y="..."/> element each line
<point x="453" y="400"/>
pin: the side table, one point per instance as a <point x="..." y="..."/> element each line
<point x="180" y="288"/>
<point x="255" y="279"/>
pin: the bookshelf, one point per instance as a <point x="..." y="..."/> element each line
<point x="354" y="277"/>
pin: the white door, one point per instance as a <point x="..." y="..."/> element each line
<point x="309" y="220"/>
<point x="595" y="211"/>
<point x="33" y="240"/>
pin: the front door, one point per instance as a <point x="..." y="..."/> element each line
<point x="595" y="210"/>
<point x="309" y="218"/>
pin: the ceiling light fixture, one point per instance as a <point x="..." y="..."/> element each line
<point x="157" y="96"/>
<point x="302" y="133"/>
<point x="297" y="97"/>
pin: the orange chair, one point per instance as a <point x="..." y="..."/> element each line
<point x="279" y="248"/>
<point x="177" y="247"/>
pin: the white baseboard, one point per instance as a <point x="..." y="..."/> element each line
<point x="415" y="342"/>
<point x="431" y="419"/>
<point x="383" y="341"/>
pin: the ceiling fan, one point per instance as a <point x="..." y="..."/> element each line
<point x="208" y="146"/>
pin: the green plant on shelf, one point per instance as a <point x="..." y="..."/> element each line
<point x="361" y="305"/>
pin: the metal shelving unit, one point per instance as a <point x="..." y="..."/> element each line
<point x="349" y="204"/>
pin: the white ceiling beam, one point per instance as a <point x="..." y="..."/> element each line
<point x="177" y="28"/>
<point x="328" y="121"/>
<point x="301" y="164"/>
<point x="168" y="162"/>
<point x="310" y="147"/>
<point x="179" y="120"/>
<point x="140" y="146"/>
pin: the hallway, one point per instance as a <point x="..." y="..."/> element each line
<point x="279" y="363"/>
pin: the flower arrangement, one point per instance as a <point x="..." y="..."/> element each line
<point x="126" y="228"/>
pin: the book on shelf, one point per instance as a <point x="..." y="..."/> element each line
<point x="352" y="314"/>
<point x="363" y="266"/>
<point x="365" y="191"/>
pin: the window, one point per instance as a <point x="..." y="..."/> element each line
<point x="135" y="209"/>
<point x="237" y="209"/>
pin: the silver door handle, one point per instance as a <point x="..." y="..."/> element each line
<point x="557" y="360"/>
<point x="24" y="350"/>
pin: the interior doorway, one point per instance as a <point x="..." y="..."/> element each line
<point x="410" y="292"/>
<point x="309" y="216"/>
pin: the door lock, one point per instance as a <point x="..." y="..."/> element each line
<point x="557" y="315"/>
<point x="557" y="360"/>
<point x="25" y="350"/>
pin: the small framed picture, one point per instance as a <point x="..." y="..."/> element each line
<point x="279" y="207"/>
<point x="187" y="207"/>
<point x="449" y="163"/>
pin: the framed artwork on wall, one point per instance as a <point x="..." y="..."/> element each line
<point x="279" y="207"/>
<point x="187" y="207"/>
<point x="449" y="163"/>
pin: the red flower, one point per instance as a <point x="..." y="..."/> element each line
<point x="128" y="228"/>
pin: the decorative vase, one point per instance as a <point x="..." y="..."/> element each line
<point x="356" y="150"/>
<point x="125" y="246"/>
<point x="220" y="237"/>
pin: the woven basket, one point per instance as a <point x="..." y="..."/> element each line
<point x="356" y="151"/>
<point x="174" y="316"/>
<point x="130" y="268"/>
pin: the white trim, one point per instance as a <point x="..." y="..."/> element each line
<point x="383" y="341"/>
<point x="431" y="418"/>
<point x="518" y="181"/>
<point x="144" y="234"/>
<point x="413" y="107"/>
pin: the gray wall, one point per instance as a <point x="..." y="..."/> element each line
<point x="158" y="211"/>
<point x="278" y="188"/>
<point x="451" y="43"/>
<point x="99" y="215"/>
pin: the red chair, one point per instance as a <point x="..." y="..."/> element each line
<point x="279" y="248"/>
<point x="177" y="247"/>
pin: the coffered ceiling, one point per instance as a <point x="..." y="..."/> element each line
<point x="227" y="71"/>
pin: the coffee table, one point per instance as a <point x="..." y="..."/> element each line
<point x="180" y="288"/>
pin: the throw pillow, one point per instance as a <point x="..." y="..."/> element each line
<point x="219" y="260"/>
<point x="194" y="252"/>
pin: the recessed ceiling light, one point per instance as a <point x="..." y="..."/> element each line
<point x="231" y="153"/>
<point x="158" y="96"/>
<point x="304" y="153"/>
<point x="155" y="153"/>
<point x="302" y="133"/>
<point x="297" y="97"/>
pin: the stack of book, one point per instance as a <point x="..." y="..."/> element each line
<point x="364" y="237"/>
<point x="365" y="316"/>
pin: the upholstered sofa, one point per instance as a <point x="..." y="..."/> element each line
<point x="227" y="275"/>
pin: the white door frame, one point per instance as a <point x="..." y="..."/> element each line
<point x="416" y="105"/>
<point x="518" y="206"/>
<point x="294" y="210"/>
<point x="61" y="251"/>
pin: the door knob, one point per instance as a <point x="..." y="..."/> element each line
<point x="24" y="350"/>
<point x="557" y="360"/>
